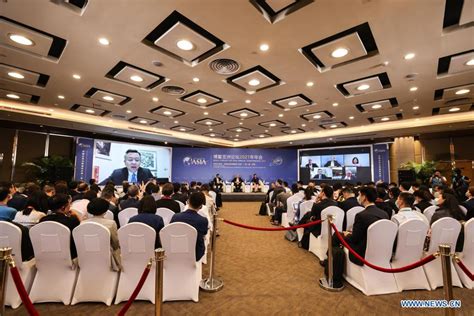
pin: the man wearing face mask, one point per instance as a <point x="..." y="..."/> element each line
<point x="132" y="172"/>
<point x="405" y="209"/>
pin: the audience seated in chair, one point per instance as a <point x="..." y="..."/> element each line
<point x="349" y="201"/>
<point x="405" y="209"/>
<point x="166" y="201"/>
<point x="179" y="193"/>
<point x="238" y="184"/>
<point x="132" y="198"/>
<point x="147" y="215"/>
<point x="256" y="184"/>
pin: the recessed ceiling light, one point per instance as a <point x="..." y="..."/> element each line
<point x="167" y="113"/>
<point x="463" y="91"/>
<point x="351" y="117"/>
<point x="376" y="106"/>
<point x="317" y="116"/>
<point x="107" y="98"/>
<point x="416" y="107"/>
<point x="291" y="103"/>
<point x="385" y="119"/>
<point x="182" y="129"/>
<point x="236" y="139"/>
<point x="16" y="75"/>
<point x="264" y="47"/>
<point x="340" y="52"/>
<point x="247" y="101"/>
<point x="208" y="123"/>
<point x="286" y="110"/>
<point x="202" y="100"/>
<point x="185" y="45"/>
<point x="104" y="41"/>
<point x="470" y="62"/>
<point x="335" y="104"/>
<point x="303" y="125"/>
<point x="236" y="135"/>
<point x="261" y="136"/>
<point x="333" y="126"/>
<point x="409" y="56"/>
<point x="155" y="99"/>
<point x="20" y="39"/>
<point x="363" y="87"/>
<point x="243" y="114"/>
<point x="206" y="113"/>
<point x="309" y="84"/>
<point x="238" y="130"/>
<point x="413" y="88"/>
<point x="166" y="143"/>
<point x="272" y="125"/>
<point x="210" y="130"/>
<point x="212" y="135"/>
<point x="176" y="122"/>
<point x="280" y="115"/>
<point x="196" y="79"/>
<point x="51" y="110"/>
<point x="266" y="131"/>
<point x="254" y="82"/>
<point x="293" y="132"/>
<point x="129" y="111"/>
<point x="61" y="97"/>
<point x="90" y="111"/>
<point x="454" y="109"/>
<point x="12" y="96"/>
<point x="240" y="123"/>
<point x="136" y="78"/>
<point x="143" y="121"/>
<point x="76" y="76"/>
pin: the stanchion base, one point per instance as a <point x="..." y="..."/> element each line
<point x="211" y="285"/>
<point x="323" y="283"/>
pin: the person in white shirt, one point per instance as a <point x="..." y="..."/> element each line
<point x="30" y="215"/>
<point x="405" y="209"/>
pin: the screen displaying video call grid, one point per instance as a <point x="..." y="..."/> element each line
<point x="344" y="164"/>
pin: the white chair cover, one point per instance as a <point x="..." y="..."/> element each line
<point x="213" y="195"/>
<point x="351" y="214"/>
<point x="182" y="206"/>
<point x="319" y="245"/>
<point x="137" y="244"/>
<point x="204" y="212"/>
<point x="10" y="236"/>
<point x="56" y="275"/>
<point x="463" y="209"/>
<point x="305" y="207"/>
<point x="429" y="211"/>
<point x="108" y="215"/>
<point x="165" y="213"/>
<point x="125" y="215"/>
<point x="467" y="254"/>
<point x="443" y="231"/>
<point x="182" y="274"/>
<point x="289" y="216"/>
<point x="270" y="212"/>
<point x="380" y="238"/>
<point x="410" y="242"/>
<point x="96" y="282"/>
<point x="80" y="206"/>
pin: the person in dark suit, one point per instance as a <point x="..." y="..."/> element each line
<point x="320" y="175"/>
<point x="132" y="199"/>
<point x="325" y="199"/>
<point x="469" y="203"/>
<point x="332" y="163"/>
<point x="311" y="165"/>
<point x="191" y="217"/>
<point x="349" y="202"/>
<point x="147" y="215"/>
<point x="178" y="195"/>
<point x="423" y="199"/>
<point x="166" y="200"/>
<point x="238" y="183"/>
<point x="132" y="172"/>
<point x="217" y="184"/>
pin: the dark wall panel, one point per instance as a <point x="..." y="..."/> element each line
<point x="464" y="147"/>
<point x="6" y="147"/>
<point x="61" y="146"/>
<point x="30" y="147"/>
<point x="436" y="149"/>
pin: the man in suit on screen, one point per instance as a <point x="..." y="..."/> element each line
<point x="132" y="172"/>
<point x="332" y="163"/>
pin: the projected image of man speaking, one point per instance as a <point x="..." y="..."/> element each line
<point x="132" y="172"/>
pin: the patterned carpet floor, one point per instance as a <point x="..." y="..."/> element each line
<point x="265" y="274"/>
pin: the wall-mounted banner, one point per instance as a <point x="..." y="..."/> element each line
<point x="84" y="157"/>
<point x="381" y="163"/>
<point x="202" y="164"/>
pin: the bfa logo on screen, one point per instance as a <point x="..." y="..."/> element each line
<point x="190" y="161"/>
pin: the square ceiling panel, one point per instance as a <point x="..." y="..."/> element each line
<point x="182" y="39"/>
<point x="77" y="6"/>
<point x="315" y="116"/>
<point x="349" y="46"/>
<point x="208" y="122"/>
<point x="238" y="129"/>
<point x="364" y="85"/>
<point x="181" y="128"/>
<point x="292" y="131"/>
<point x="243" y="114"/>
<point x="142" y="120"/>
<point x="458" y="92"/>
<point x="457" y="14"/>
<point x="456" y="63"/>
<point x="24" y="38"/>
<point x="385" y="118"/>
<point x="89" y="110"/>
<point x="20" y="75"/>
<point x="379" y="105"/>
<point x="201" y="99"/>
<point x="254" y="79"/>
<point x="274" y="123"/>
<point x="292" y="102"/>
<point x="166" y="111"/>
<point x="135" y="76"/>
<point x="107" y="96"/>
<point x="276" y="10"/>
<point x="454" y="109"/>
<point x="333" y="125"/>
<point x="18" y="96"/>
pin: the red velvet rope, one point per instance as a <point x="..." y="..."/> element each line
<point x="272" y="229"/>
<point x="22" y="291"/>
<point x="135" y="292"/>
<point x="465" y="269"/>
<point x="388" y="270"/>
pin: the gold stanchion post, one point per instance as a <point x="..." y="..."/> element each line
<point x="212" y="283"/>
<point x="445" y="256"/>
<point x="5" y="254"/>
<point x="327" y="284"/>
<point x="159" y="258"/>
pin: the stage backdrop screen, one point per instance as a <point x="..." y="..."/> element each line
<point x="107" y="160"/>
<point x="202" y="164"/>
<point x="338" y="164"/>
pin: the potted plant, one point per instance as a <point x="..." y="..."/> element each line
<point x="49" y="169"/>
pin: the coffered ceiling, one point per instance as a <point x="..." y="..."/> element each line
<point x="238" y="72"/>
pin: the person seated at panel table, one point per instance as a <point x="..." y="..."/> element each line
<point x="256" y="185"/>
<point x="217" y="184"/>
<point x="332" y="163"/>
<point x="320" y="175"/>
<point x="132" y="172"/>
<point x="238" y="182"/>
<point x="311" y="165"/>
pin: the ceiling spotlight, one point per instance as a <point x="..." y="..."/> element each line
<point x="20" y="39"/>
<point x="247" y="101"/>
<point x="280" y="115"/>
<point x="309" y="84"/>
<point x="136" y="78"/>
<point x="463" y="91"/>
<point x="240" y="123"/>
<point x="16" y="75"/>
<point x="167" y="113"/>
<point x="335" y="104"/>
<point x="470" y="62"/>
<point x="129" y="111"/>
<point x="90" y="111"/>
<point x="243" y="114"/>
<point x="454" y="109"/>
<point x="266" y="131"/>
<point x="376" y="106"/>
<point x="293" y="132"/>
<point x="182" y="129"/>
<point x="238" y="130"/>
<point x="210" y="130"/>
<point x="76" y="76"/>
<point x="12" y="96"/>
<point x="143" y="121"/>
<point x="237" y="135"/>
<point x="292" y="103"/>
<point x="272" y="125"/>
<point x="212" y="135"/>
<point x="286" y="110"/>
<point x="155" y="99"/>
<point x="206" y="113"/>
<point x="236" y="139"/>
<point x="196" y="79"/>
<point x="384" y="119"/>
<point x="351" y="117"/>
<point x="416" y="107"/>
<point x="202" y="100"/>
<point x="413" y="88"/>
<point x="303" y="125"/>
<point x="185" y="45"/>
<point x="254" y="82"/>
<point x="363" y="87"/>
<point x="107" y="98"/>
<point x="317" y="116"/>
<point x="61" y="97"/>
<point x="333" y="126"/>
<point x="208" y="123"/>
<point x="264" y="47"/>
<point x="409" y="56"/>
<point x="104" y="41"/>
<point x="261" y="136"/>
<point x="340" y="52"/>
<point x="176" y="122"/>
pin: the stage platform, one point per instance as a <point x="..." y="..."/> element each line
<point x="243" y="197"/>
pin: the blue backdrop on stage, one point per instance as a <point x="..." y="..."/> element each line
<point x="201" y="164"/>
<point x="381" y="163"/>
